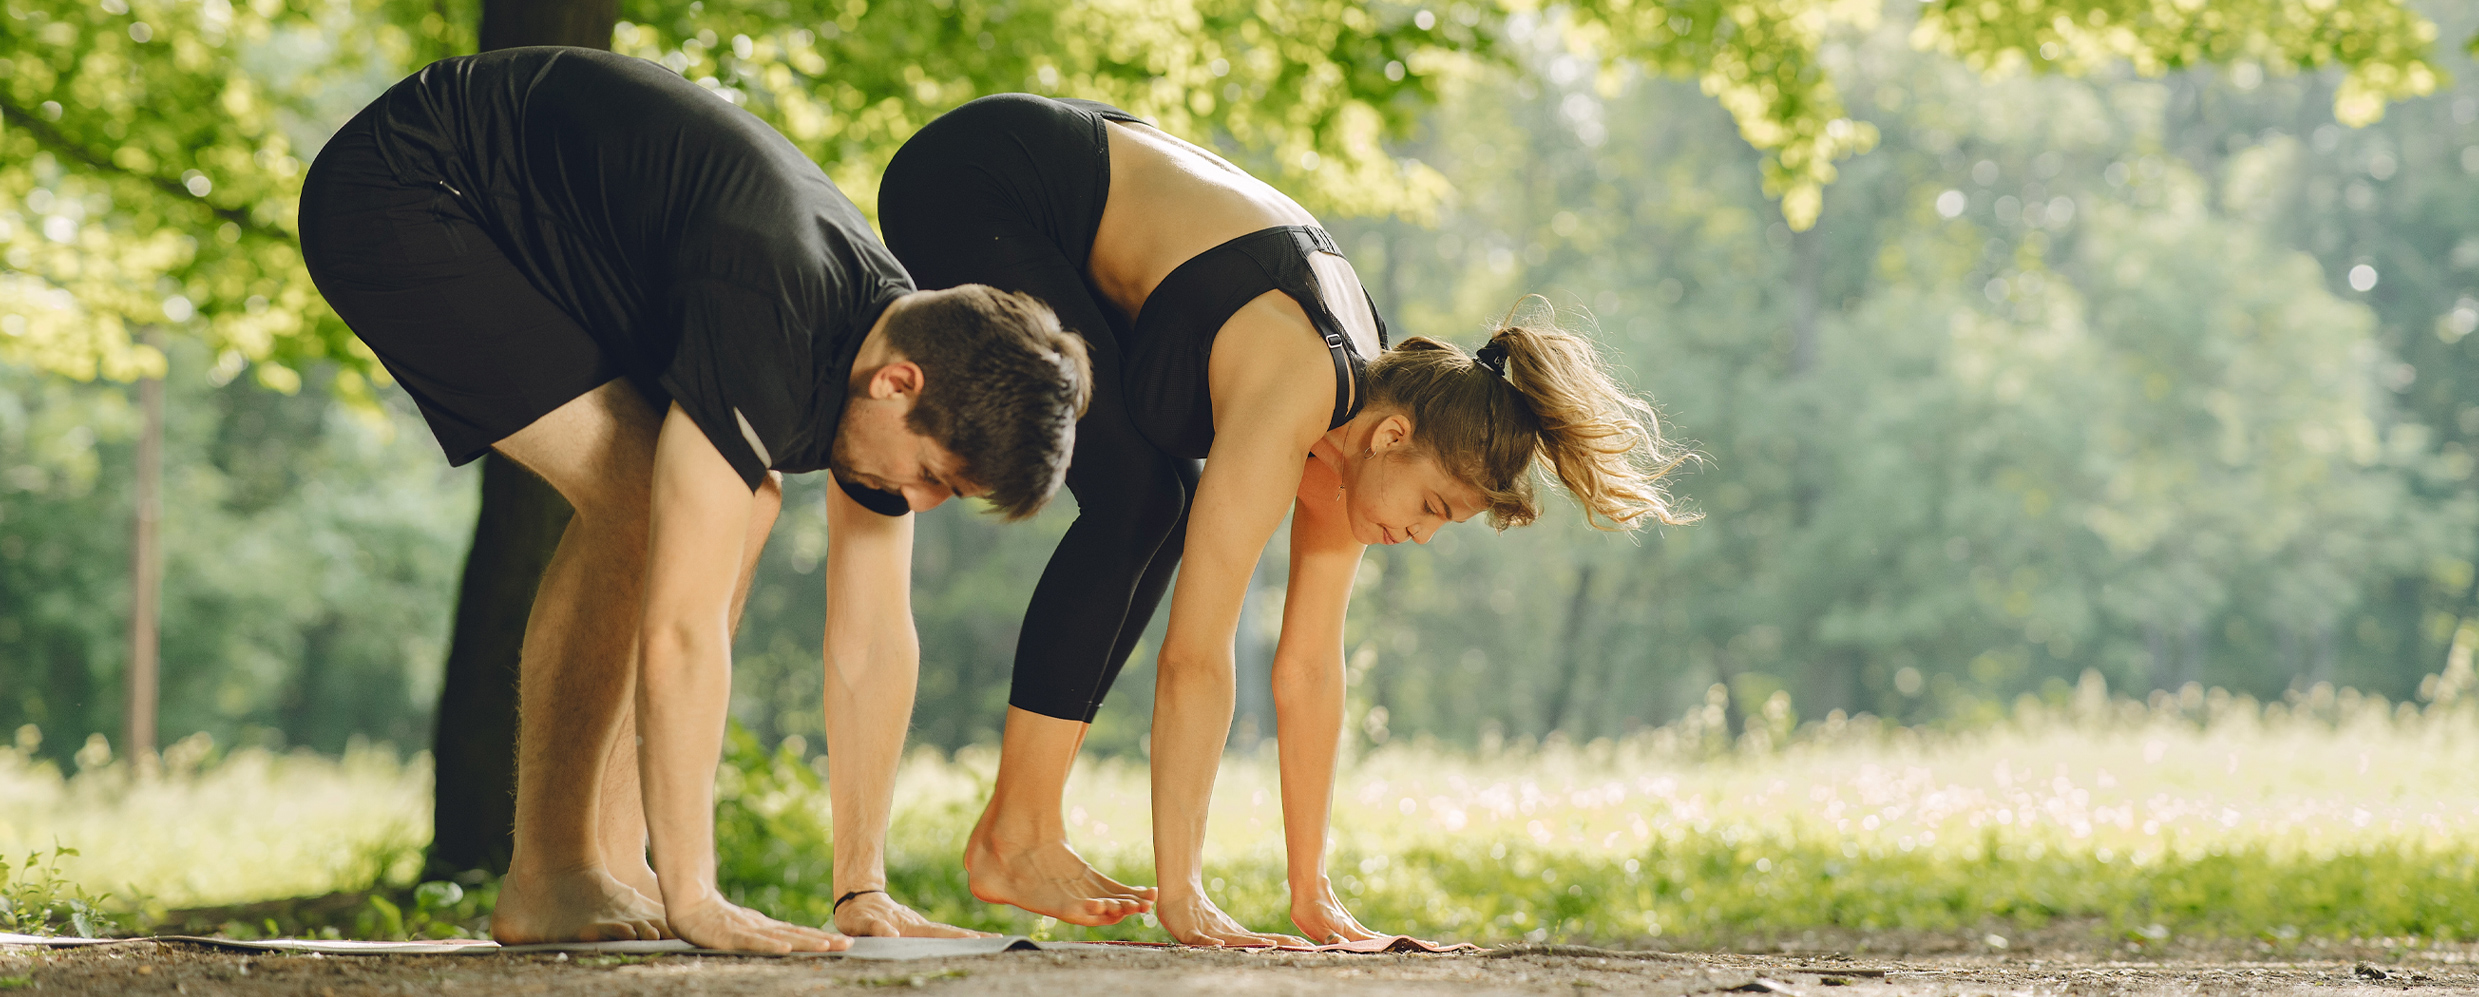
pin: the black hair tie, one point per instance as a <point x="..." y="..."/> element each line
<point x="1492" y="356"/>
<point x="847" y="898"/>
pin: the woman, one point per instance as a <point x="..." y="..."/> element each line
<point x="1222" y="323"/>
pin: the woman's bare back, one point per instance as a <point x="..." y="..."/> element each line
<point x="1171" y="200"/>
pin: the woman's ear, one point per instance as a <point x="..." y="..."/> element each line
<point x="1392" y="432"/>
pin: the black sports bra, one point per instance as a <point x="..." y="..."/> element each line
<point x="1172" y="343"/>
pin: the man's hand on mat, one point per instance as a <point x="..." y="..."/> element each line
<point x="715" y="923"/>
<point x="1319" y="914"/>
<point x="584" y="905"/>
<point x="878" y="915"/>
<point x="1192" y="919"/>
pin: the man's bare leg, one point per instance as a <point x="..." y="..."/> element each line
<point x="622" y="824"/>
<point x="578" y="671"/>
<point x="1018" y="854"/>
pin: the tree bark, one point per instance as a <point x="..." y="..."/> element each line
<point x="1571" y="657"/>
<point x="474" y="746"/>
<point x="146" y="571"/>
<point x="473" y="749"/>
<point x="516" y="23"/>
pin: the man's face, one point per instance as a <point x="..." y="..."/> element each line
<point x="875" y="448"/>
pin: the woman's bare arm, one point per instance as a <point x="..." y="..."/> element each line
<point x="1266" y="424"/>
<point x="699" y="529"/>
<point x="1308" y="707"/>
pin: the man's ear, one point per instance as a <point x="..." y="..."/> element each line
<point x="900" y="377"/>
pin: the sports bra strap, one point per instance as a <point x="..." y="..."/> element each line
<point x="1313" y="239"/>
<point x="1189" y="306"/>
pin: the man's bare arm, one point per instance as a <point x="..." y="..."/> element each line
<point x="698" y="531"/>
<point x="873" y="664"/>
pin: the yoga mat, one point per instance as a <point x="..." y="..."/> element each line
<point x="862" y="948"/>
<point x="1389" y="945"/>
<point x="451" y="946"/>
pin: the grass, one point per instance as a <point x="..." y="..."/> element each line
<point x="2332" y="816"/>
<point x="207" y="827"/>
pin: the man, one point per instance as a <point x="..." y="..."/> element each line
<point x="647" y="297"/>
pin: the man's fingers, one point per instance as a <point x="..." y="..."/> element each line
<point x="809" y="939"/>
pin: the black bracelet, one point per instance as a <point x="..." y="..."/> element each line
<point x="846" y="898"/>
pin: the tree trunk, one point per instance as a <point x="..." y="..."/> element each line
<point x="474" y="748"/>
<point x="1571" y="656"/>
<point x="146" y="571"/>
<point x="516" y="23"/>
<point x="1807" y="251"/>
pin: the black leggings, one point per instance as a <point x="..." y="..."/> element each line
<point x="1008" y="191"/>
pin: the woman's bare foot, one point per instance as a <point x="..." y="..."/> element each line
<point x="1320" y="915"/>
<point x="1049" y="879"/>
<point x="585" y="905"/>
<point x="1192" y="919"/>
<point x="715" y="923"/>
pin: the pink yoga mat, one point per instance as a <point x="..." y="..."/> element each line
<point x="1390" y="945"/>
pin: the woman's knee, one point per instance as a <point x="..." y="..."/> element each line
<point x="1147" y="500"/>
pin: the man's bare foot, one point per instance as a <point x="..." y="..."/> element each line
<point x="587" y="905"/>
<point x="1049" y="879"/>
<point x="634" y="873"/>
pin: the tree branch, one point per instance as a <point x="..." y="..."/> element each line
<point x="51" y="138"/>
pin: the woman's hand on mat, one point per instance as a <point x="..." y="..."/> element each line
<point x="1320" y="915"/>
<point x="1192" y="919"/>
<point x="877" y="914"/>
<point x="714" y="923"/>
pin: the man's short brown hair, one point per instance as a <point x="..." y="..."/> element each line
<point x="1002" y="388"/>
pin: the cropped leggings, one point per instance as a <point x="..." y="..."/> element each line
<point x="1008" y="191"/>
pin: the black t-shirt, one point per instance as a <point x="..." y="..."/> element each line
<point x="706" y="255"/>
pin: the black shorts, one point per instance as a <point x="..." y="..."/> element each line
<point x="424" y="285"/>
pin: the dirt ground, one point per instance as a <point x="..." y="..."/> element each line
<point x="175" y="968"/>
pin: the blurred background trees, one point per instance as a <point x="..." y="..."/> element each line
<point x="2163" y="377"/>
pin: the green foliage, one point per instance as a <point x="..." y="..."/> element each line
<point x="311" y="550"/>
<point x="36" y="900"/>
<point x="1308" y="87"/>
<point x="2383" y="45"/>
<point x="141" y="211"/>
<point x="158" y="151"/>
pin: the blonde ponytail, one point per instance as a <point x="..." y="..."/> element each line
<point x="1540" y="395"/>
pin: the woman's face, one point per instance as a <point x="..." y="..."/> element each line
<point x="1400" y="493"/>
